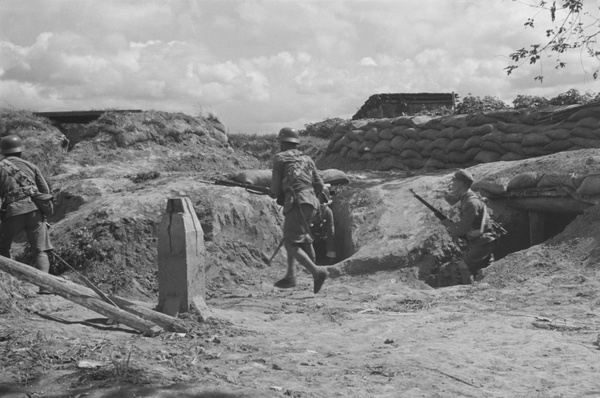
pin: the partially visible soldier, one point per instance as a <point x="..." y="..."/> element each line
<point x="474" y="227"/>
<point x="322" y="226"/>
<point x="19" y="213"/>
<point x="294" y="177"/>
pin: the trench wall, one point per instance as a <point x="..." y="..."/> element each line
<point x="460" y="141"/>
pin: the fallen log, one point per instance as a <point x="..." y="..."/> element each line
<point x="165" y="321"/>
<point x="81" y="295"/>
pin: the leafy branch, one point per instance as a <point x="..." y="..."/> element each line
<point x="571" y="33"/>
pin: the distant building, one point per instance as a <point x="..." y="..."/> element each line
<point x="380" y="106"/>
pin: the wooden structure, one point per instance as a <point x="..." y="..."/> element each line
<point x="79" y="117"/>
<point x="380" y="106"/>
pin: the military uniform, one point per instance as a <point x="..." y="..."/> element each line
<point x="295" y="176"/>
<point x="21" y="214"/>
<point x="476" y="230"/>
<point x="294" y="182"/>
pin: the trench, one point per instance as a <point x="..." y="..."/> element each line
<point x="530" y="219"/>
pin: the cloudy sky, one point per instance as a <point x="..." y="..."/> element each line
<point x="260" y="65"/>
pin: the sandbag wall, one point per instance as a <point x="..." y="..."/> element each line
<point x="460" y="141"/>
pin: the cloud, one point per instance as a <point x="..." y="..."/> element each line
<point x="258" y="64"/>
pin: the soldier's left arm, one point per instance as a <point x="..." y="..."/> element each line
<point x="40" y="181"/>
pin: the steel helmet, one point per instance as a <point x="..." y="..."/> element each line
<point x="288" y="134"/>
<point x="11" y="144"/>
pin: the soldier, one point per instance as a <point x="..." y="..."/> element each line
<point x="18" y="180"/>
<point x="322" y="226"/>
<point x="474" y="226"/>
<point x="294" y="177"/>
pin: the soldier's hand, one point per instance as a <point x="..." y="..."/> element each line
<point x="447" y="223"/>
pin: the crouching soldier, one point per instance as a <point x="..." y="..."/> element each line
<point x="323" y="229"/>
<point x="474" y="226"/>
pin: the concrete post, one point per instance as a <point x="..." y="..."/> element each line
<point x="181" y="258"/>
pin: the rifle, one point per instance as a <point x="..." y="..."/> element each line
<point x="255" y="189"/>
<point x="435" y="211"/>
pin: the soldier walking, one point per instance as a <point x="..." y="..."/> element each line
<point x="295" y="180"/>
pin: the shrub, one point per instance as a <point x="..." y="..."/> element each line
<point x="323" y="129"/>
<point x="471" y="104"/>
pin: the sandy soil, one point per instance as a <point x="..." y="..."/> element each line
<point x="363" y="336"/>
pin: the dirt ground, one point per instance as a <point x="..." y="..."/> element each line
<point x="363" y="336"/>
<point x="529" y="329"/>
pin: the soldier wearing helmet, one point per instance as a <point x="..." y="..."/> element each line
<point x="19" y="179"/>
<point x="474" y="226"/>
<point x="294" y="182"/>
<point x="323" y="229"/>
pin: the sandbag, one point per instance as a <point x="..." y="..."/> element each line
<point x="471" y="153"/>
<point x="510" y="156"/>
<point x="403" y="121"/>
<point x="495" y="136"/>
<point x="584" y="132"/>
<point x="430" y="134"/>
<point x="434" y="164"/>
<point x="558" y="146"/>
<point x="585" y="113"/>
<point x="383" y="123"/>
<point x="447" y="132"/>
<point x="353" y="154"/>
<point x="534" y="151"/>
<point x="391" y="162"/>
<point x="516" y="138"/>
<point x="487" y="157"/>
<point x="589" y="186"/>
<point x="525" y="180"/>
<point x="367" y="146"/>
<point x="493" y="187"/>
<point x="261" y="178"/>
<point x="584" y="142"/>
<point x="398" y="142"/>
<point x="480" y="119"/>
<point x="399" y="130"/>
<point x="456" y="144"/>
<point x="367" y="156"/>
<point x="414" y="163"/>
<point x="492" y="147"/>
<point x="383" y="146"/>
<point x="483" y="130"/>
<point x="372" y="135"/>
<point x="410" y="143"/>
<point x="411" y="133"/>
<point x="386" y="134"/>
<point x="536" y="139"/>
<point x="438" y="154"/>
<point x="589" y="122"/>
<point x="473" y="142"/>
<point x="465" y="132"/>
<point x="513" y="147"/>
<point x="441" y="143"/>
<point x="455" y="157"/>
<point x="558" y="134"/>
<point x="455" y="121"/>
<point x="553" y="179"/>
<point x="424" y="144"/>
<point x="410" y="154"/>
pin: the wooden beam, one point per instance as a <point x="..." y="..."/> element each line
<point x="81" y="295"/>
<point x="167" y="322"/>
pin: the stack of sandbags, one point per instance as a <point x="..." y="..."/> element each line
<point x="460" y="141"/>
